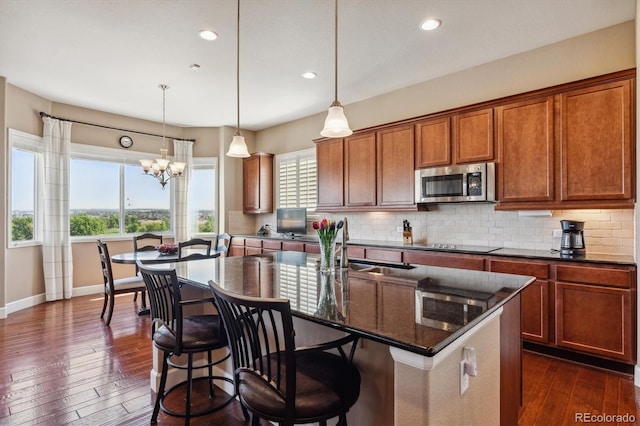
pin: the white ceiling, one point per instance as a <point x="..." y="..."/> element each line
<point x="111" y="55"/>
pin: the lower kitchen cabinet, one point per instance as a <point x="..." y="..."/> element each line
<point x="535" y="312"/>
<point x="594" y="319"/>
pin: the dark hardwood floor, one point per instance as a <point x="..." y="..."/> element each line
<point x="62" y="366"/>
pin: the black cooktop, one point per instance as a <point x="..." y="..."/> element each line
<point x="460" y="248"/>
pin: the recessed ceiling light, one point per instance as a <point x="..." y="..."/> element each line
<point x="194" y="67"/>
<point x="309" y="75"/>
<point x="430" y="24"/>
<point x="208" y="35"/>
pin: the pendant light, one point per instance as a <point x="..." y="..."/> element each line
<point x="238" y="147"/>
<point x="161" y="169"/>
<point x="336" y="124"/>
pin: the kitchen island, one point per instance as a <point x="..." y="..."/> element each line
<point x="415" y="321"/>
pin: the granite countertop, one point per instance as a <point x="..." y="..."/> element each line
<point x="478" y="250"/>
<point x="455" y="300"/>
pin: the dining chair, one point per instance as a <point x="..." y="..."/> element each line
<point x="176" y="334"/>
<point x="113" y="287"/>
<point x="277" y="381"/>
<point x="223" y="243"/>
<point x="204" y="247"/>
<point x="145" y="242"/>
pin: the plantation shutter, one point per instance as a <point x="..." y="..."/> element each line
<point x="297" y="180"/>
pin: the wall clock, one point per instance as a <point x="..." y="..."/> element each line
<point x="126" y="141"/>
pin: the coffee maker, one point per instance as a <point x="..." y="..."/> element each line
<point x="572" y="241"/>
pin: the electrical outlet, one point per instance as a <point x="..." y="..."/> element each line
<point x="464" y="378"/>
<point x="399" y="229"/>
<point x="557" y="233"/>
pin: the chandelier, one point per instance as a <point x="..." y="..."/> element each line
<point x="161" y="169"/>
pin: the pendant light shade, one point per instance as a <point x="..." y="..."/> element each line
<point x="238" y="147"/>
<point x="336" y="124"/>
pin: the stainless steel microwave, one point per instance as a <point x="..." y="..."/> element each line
<point x="454" y="184"/>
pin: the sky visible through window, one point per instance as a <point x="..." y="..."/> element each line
<point x="22" y="185"/>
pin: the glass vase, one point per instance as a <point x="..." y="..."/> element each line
<point x="328" y="254"/>
<point x="327" y="302"/>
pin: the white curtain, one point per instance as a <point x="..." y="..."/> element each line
<point x="56" y="245"/>
<point x="183" y="152"/>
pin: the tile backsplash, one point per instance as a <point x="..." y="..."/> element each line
<point x="605" y="231"/>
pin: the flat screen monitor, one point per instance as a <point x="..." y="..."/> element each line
<point x="291" y="221"/>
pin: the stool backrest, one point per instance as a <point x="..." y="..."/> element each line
<point x="223" y="243"/>
<point x="105" y="262"/>
<point x="204" y="247"/>
<point x="261" y="337"/>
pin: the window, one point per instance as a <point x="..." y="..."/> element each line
<point x="203" y="196"/>
<point x="25" y="163"/>
<point x="296" y="173"/>
<point x="109" y="194"/>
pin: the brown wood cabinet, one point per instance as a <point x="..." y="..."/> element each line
<point x="330" y="173"/>
<point x="258" y="183"/>
<point x="360" y="170"/>
<point x="525" y="137"/>
<point x="433" y="142"/>
<point x="596" y="142"/>
<point x="572" y="149"/>
<point x="594" y="319"/>
<point x="535" y="298"/>
<point x="396" y="307"/>
<point x="473" y="136"/>
<point x="447" y="260"/>
<point x="395" y="177"/>
<point x="370" y="171"/>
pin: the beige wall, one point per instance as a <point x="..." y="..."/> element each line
<point x="3" y="179"/>
<point x="23" y="273"/>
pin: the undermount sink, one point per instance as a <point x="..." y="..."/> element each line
<point x="376" y="267"/>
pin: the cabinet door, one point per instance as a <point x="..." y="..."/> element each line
<point x="433" y="143"/>
<point x="396" y="176"/>
<point x="535" y="312"/>
<point x="595" y="320"/>
<point x="330" y="169"/>
<point x="362" y="309"/>
<point x="473" y="136"/>
<point x="258" y="183"/>
<point x="596" y="143"/>
<point x="397" y="309"/>
<point x="526" y="151"/>
<point x="360" y="170"/>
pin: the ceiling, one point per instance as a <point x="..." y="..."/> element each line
<point x="111" y="55"/>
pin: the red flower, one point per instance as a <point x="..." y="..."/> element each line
<point x="316" y="225"/>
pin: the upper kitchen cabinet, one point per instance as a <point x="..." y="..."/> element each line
<point x="462" y="138"/>
<point x="258" y="183"/>
<point x="473" y="136"/>
<point x="396" y="179"/>
<point x="524" y="132"/>
<point x="572" y="147"/>
<point x="596" y="143"/>
<point x="330" y="173"/>
<point x="360" y="170"/>
<point x="368" y="171"/>
<point x="433" y="142"/>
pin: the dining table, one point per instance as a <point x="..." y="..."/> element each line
<point x="151" y="257"/>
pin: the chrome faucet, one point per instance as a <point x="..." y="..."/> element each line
<point x="344" y="260"/>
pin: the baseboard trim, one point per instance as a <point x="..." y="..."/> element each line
<point x="593" y="361"/>
<point x="31" y="301"/>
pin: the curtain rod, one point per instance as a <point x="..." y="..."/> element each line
<point x="44" y="114"/>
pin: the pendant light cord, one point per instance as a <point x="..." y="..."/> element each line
<point x="164" y="88"/>
<point x="238" y="71"/>
<point x="335" y="53"/>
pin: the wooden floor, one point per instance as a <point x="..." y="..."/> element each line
<point x="61" y="366"/>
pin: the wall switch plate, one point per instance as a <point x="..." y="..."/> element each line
<point x="557" y="233"/>
<point x="464" y="378"/>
